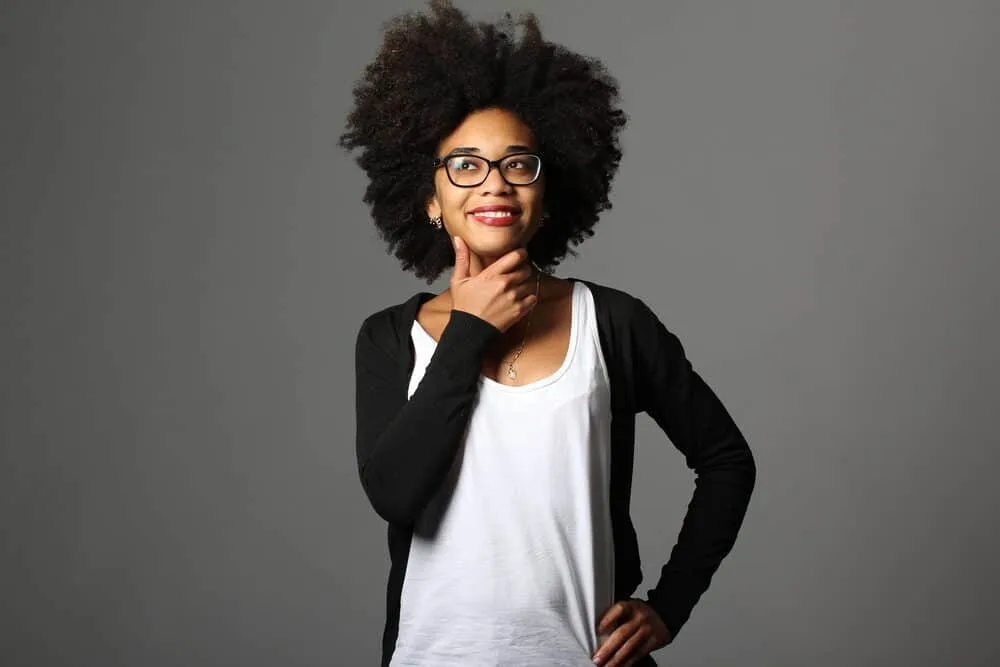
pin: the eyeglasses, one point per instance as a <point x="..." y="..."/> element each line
<point x="468" y="171"/>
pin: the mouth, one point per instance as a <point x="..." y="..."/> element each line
<point x="496" y="216"/>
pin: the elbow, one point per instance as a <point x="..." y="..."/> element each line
<point x="734" y="464"/>
<point x="749" y="470"/>
<point x="745" y="468"/>
<point x="742" y="464"/>
<point x="390" y="501"/>
<point x="742" y="460"/>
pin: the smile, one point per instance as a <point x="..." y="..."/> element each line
<point x="495" y="217"/>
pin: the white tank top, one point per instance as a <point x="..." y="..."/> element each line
<point x="512" y="563"/>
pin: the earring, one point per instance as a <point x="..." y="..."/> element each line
<point x="545" y="218"/>
<point x="436" y="221"/>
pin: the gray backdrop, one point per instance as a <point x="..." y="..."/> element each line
<point x="808" y="198"/>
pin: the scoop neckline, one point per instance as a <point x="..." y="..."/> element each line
<point x="541" y="382"/>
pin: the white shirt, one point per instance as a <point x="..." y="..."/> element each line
<point x="512" y="563"/>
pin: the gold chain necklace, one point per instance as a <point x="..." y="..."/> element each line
<point x="511" y="371"/>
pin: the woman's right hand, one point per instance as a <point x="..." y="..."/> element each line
<point x="501" y="294"/>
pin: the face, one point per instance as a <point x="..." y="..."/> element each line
<point x="495" y="217"/>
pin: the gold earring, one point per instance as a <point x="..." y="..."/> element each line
<point x="436" y="221"/>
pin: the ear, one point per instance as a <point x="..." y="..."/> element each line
<point x="433" y="207"/>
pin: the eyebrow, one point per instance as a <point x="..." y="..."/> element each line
<point x="513" y="148"/>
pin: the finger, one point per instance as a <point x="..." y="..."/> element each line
<point x="529" y="302"/>
<point x="629" y="651"/>
<point x="611" y="617"/>
<point x="461" y="271"/>
<point x="643" y="651"/>
<point x="509" y="262"/>
<point x="609" y="649"/>
<point x="524" y="293"/>
<point x="522" y="276"/>
<point x="651" y="645"/>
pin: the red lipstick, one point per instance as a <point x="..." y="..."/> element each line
<point x="497" y="215"/>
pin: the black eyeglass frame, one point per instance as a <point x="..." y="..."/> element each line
<point x="491" y="165"/>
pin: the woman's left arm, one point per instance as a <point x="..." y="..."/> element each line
<point x="685" y="407"/>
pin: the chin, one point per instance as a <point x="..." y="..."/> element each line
<point x="503" y="238"/>
<point x="494" y="247"/>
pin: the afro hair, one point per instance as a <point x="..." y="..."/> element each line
<point x="431" y="72"/>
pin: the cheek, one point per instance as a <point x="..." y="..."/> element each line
<point x="536" y="200"/>
<point x="444" y="192"/>
<point x="452" y="201"/>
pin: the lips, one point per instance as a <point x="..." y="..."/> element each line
<point x="495" y="216"/>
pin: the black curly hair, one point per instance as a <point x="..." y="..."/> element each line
<point x="435" y="69"/>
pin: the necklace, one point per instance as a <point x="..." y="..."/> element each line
<point x="511" y="371"/>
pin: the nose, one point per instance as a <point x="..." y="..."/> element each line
<point x="494" y="183"/>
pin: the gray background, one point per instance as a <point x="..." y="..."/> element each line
<point x="808" y="199"/>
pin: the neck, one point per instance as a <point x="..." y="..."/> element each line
<point x="477" y="263"/>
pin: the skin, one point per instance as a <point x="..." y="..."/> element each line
<point x="494" y="280"/>
<point x="492" y="133"/>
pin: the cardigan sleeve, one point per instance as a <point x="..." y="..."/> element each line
<point x="670" y="391"/>
<point x="405" y="447"/>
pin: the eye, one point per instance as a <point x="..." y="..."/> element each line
<point x="521" y="164"/>
<point x="461" y="163"/>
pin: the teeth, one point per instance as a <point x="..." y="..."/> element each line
<point x="494" y="214"/>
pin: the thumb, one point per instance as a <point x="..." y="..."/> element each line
<point x="461" y="271"/>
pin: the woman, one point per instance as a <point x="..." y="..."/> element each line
<point x="496" y="420"/>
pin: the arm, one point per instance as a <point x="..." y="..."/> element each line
<point x="676" y="397"/>
<point x="405" y="447"/>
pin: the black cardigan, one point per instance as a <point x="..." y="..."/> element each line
<point x="405" y="447"/>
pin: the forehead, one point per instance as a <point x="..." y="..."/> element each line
<point x="490" y="131"/>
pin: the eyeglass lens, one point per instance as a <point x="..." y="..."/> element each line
<point x="469" y="170"/>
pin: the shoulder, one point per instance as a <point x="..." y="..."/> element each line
<point x="620" y="307"/>
<point x="386" y="325"/>
<point x="627" y="324"/>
